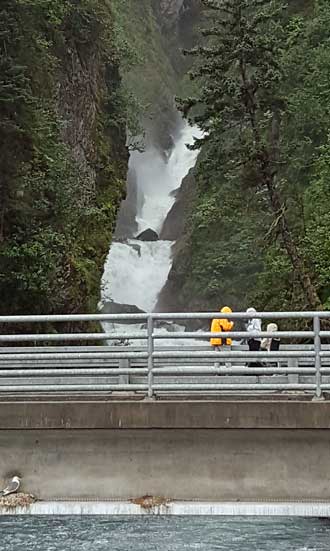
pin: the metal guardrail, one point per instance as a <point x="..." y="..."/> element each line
<point x="150" y="367"/>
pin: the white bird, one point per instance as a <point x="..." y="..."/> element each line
<point x="12" y="487"/>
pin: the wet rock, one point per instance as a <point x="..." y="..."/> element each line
<point x="176" y="219"/>
<point x="136" y="248"/>
<point x="148" y="235"/>
<point x="169" y="326"/>
<point x="126" y="222"/>
<point x="112" y="307"/>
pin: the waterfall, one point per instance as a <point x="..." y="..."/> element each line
<point x="158" y="178"/>
<point x="136" y="271"/>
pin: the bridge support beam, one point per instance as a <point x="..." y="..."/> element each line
<point x="179" y="464"/>
<point x="181" y="450"/>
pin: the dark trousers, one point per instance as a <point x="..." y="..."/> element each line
<point x="254" y="346"/>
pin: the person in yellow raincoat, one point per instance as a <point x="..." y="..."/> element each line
<point x="222" y="325"/>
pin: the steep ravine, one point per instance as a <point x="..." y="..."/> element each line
<point x="66" y="68"/>
<point x="141" y="257"/>
<point x="90" y="87"/>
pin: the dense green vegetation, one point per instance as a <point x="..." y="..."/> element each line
<point x="62" y="152"/>
<point x="259" y="230"/>
<point x="74" y="76"/>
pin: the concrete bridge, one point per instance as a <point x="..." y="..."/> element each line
<point x="114" y="423"/>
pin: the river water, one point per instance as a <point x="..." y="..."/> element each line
<point x="163" y="533"/>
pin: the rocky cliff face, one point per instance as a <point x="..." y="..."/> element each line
<point x="176" y="228"/>
<point x="65" y="119"/>
<point x="81" y="81"/>
<point x="173" y="10"/>
<point x="170" y="9"/>
<point x="90" y="105"/>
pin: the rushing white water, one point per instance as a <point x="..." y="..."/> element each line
<point x="136" y="271"/>
<point x="158" y="178"/>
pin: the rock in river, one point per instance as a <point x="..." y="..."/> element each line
<point x="148" y="235"/>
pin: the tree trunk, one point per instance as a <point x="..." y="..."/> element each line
<point x="267" y="164"/>
<point x="293" y="253"/>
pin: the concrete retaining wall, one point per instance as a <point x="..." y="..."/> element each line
<point x="181" y="464"/>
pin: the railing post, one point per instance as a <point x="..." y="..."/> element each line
<point x="293" y="379"/>
<point x="124" y="364"/>
<point x="317" y="349"/>
<point x="150" y="326"/>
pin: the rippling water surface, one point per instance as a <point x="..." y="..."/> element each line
<point x="163" y="533"/>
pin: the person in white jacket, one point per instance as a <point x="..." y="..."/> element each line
<point x="253" y="325"/>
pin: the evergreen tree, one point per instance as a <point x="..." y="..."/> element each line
<point x="242" y="106"/>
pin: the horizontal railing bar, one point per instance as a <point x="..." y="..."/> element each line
<point x="72" y="318"/>
<point x="117" y="387"/>
<point x="235" y="334"/>
<point x="143" y="335"/>
<point x="232" y="370"/>
<point x="240" y="315"/>
<point x="135" y="364"/>
<point x="33" y="364"/>
<point x="134" y="348"/>
<point x="227" y="353"/>
<point x="71" y="337"/>
<point x="68" y="349"/>
<point x="157" y="336"/>
<point x="8" y="373"/>
<point x="68" y="372"/>
<point x="75" y="364"/>
<point x="242" y="386"/>
<point x="70" y="388"/>
<point x="160" y="316"/>
<point x="77" y="355"/>
<point x="203" y="345"/>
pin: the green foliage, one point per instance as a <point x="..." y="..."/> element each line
<point x="267" y="154"/>
<point x="56" y="216"/>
